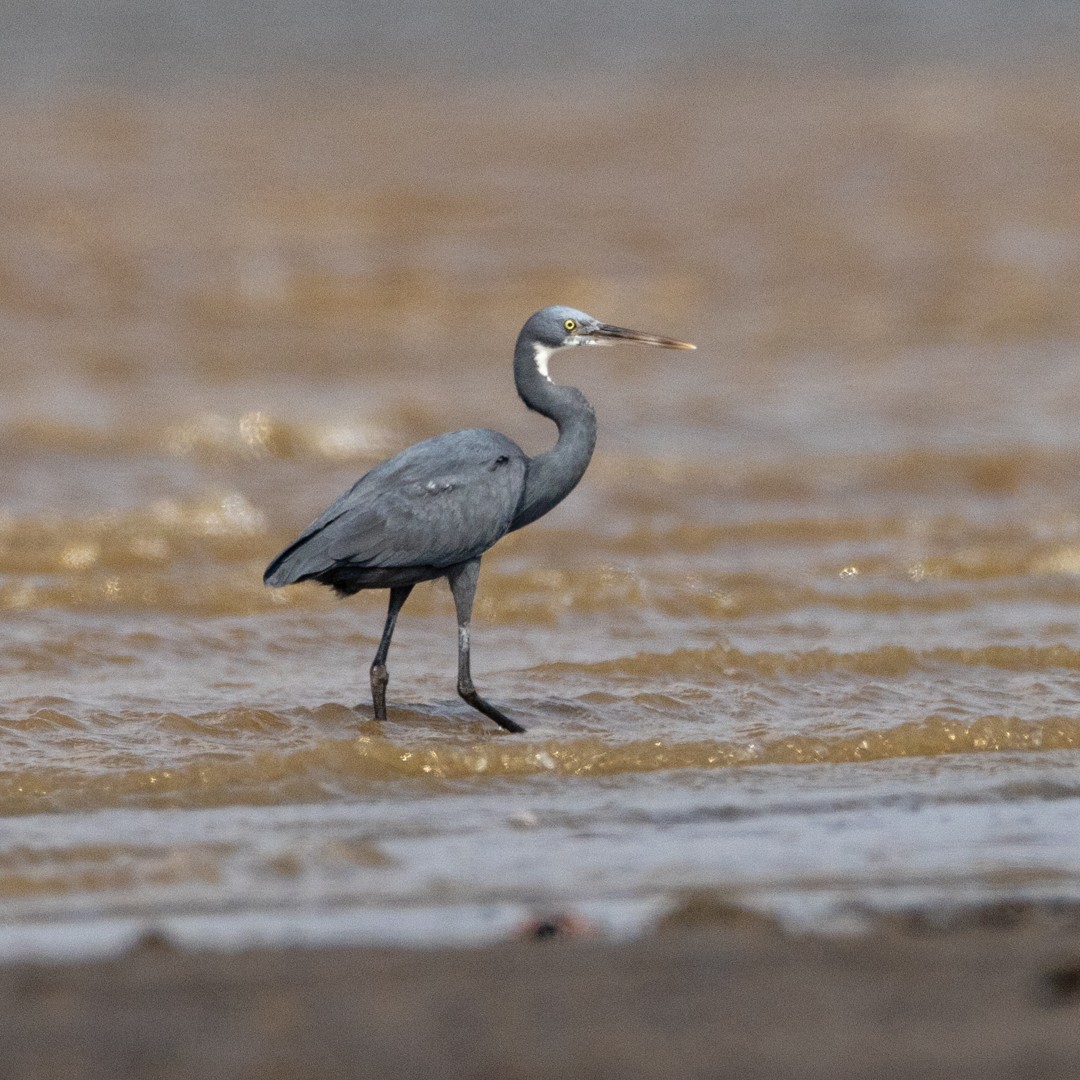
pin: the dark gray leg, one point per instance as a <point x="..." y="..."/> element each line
<point x="463" y="585"/>
<point x="379" y="678"/>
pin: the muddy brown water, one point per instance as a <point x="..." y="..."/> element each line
<point x="808" y="631"/>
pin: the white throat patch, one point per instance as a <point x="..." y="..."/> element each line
<point x="543" y="355"/>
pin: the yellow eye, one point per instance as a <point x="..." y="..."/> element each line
<point x="570" y="325"/>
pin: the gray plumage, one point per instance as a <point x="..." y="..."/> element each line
<point x="380" y="532"/>
<point x="434" y="509"/>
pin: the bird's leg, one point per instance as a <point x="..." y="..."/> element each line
<point x="463" y="585"/>
<point x="379" y="678"/>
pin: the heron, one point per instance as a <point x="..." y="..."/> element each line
<point x="433" y="510"/>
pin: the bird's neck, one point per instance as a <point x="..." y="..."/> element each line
<point x="551" y="476"/>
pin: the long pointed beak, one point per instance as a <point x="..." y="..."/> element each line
<point x="620" y="333"/>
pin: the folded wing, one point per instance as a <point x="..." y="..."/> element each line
<point x="440" y="502"/>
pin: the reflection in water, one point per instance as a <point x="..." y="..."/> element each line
<point x="816" y="593"/>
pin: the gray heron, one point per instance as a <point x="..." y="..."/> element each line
<point x="434" y="509"/>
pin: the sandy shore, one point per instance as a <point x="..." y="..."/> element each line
<point x="992" y="997"/>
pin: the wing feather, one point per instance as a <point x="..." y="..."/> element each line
<point x="440" y="502"/>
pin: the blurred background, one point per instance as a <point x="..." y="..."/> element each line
<point x="215" y="190"/>
<point x="248" y="249"/>
<point x="50" y="42"/>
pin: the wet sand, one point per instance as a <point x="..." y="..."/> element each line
<point x="993" y="996"/>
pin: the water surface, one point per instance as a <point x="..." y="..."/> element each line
<point x="808" y="631"/>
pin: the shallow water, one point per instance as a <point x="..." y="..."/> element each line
<point x="808" y="632"/>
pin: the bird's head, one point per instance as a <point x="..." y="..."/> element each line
<point x="560" y="327"/>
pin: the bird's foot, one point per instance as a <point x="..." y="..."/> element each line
<point x="379" y="679"/>
<point x="489" y="710"/>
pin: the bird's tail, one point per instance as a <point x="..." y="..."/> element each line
<point x="285" y="568"/>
